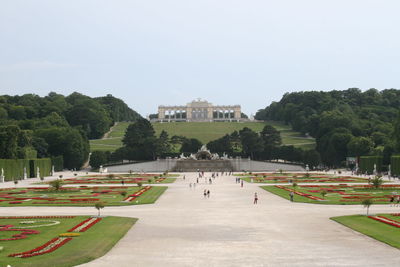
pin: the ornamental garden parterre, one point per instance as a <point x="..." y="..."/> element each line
<point x="122" y="178"/>
<point x="336" y="194"/>
<point x="299" y="178"/>
<point x="57" y="240"/>
<point x="80" y="196"/>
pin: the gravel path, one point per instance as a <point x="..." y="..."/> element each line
<point x="184" y="229"/>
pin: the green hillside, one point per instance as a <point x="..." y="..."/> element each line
<point x="204" y="131"/>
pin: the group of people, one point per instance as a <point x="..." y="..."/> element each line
<point x="206" y="193"/>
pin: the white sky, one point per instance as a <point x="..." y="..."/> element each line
<point x="172" y="51"/>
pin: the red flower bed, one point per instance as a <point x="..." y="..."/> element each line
<point x="73" y="229"/>
<point x="43" y="249"/>
<point x="385" y="220"/>
<point x="22" y="235"/>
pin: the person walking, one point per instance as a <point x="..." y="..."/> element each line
<point x="190" y="185"/>
<point x="241" y="183"/>
<point x="291" y="195"/>
<point x="205" y="193"/>
<point x="210" y="181"/>
<point x="208" y="193"/>
<point x="255" y="198"/>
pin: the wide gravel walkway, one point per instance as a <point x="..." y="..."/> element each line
<point x="184" y="229"/>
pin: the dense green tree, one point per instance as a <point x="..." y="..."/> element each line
<point x="140" y="141"/>
<point x="164" y="143"/>
<point x="191" y="145"/>
<point x="9" y="141"/>
<point x="252" y="144"/>
<point x="271" y="136"/>
<point x="360" y="146"/>
<point x="98" y="158"/>
<point x="312" y="158"/>
<point x="67" y="142"/>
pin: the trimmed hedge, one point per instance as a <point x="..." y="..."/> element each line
<point x="58" y="163"/>
<point x="395" y="165"/>
<point x="44" y="167"/>
<point x="367" y="164"/>
<point x="14" y="168"/>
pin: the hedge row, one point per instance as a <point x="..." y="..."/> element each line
<point x="44" y="166"/>
<point x="395" y="165"/>
<point x="14" y="168"/>
<point x="58" y="163"/>
<point x="367" y="164"/>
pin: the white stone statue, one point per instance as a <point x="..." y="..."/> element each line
<point x="375" y="171"/>
<point x="2" y="175"/>
<point x="203" y="148"/>
<point x="192" y="156"/>
<point x="182" y="156"/>
<point x="389" y="171"/>
<point x="25" y="174"/>
<point x="101" y="169"/>
<point x="52" y="170"/>
<point x="38" y="172"/>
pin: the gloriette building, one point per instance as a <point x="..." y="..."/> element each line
<point x="199" y="111"/>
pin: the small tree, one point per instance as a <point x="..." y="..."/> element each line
<point x="377" y="182"/>
<point x="99" y="205"/>
<point x="294" y="186"/>
<point x="323" y="193"/>
<point x="139" y="184"/>
<point x="150" y="181"/>
<point x="56" y="185"/>
<point x="15" y="182"/>
<point x="123" y="194"/>
<point x="367" y="203"/>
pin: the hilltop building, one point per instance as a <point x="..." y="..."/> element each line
<point x="199" y="111"/>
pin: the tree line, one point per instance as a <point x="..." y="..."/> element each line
<point x="141" y="143"/>
<point x="54" y="125"/>
<point x="348" y="123"/>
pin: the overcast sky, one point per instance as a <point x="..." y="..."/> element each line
<point x="148" y="52"/>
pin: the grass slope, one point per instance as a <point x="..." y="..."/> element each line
<point x="377" y="230"/>
<point x="92" y="244"/>
<point x="204" y="131"/>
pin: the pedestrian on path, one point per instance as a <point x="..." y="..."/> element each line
<point x="241" y="183"/>
<point x="194" y="186"/>
<point x="291" y="195"/>
<point x="205" y="193"/>
<point x="255" y="198"/>
<point x="197" y="180"/>
<point x="190" y="185"/>
<point x="208" y="193"/>
<point x="184" y="177"/>
<point x="210" y="181"/>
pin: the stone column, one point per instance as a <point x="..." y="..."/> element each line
<point x="210" y="113"/>
<point x="188" y="114"/>
<point x="161" y="113"/>
<point x="238" y="113"/>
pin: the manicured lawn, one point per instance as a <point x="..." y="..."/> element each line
<point x="204" y="131"/>
<point x="380" y="231"/>
<point x="299" y="178"/>
<point x="336" y="194"/>
<point x="80" y="196"/>
<point x="89" y="245"/>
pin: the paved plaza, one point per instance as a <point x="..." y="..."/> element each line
<point x="184" y="229"/>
